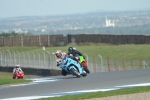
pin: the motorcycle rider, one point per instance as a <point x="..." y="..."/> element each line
<point x="17" y="69"/>
<point x="74" y="52"/>
<point x="59" y="56"/>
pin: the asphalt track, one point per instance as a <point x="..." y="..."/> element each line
<point x="54" y="85"/>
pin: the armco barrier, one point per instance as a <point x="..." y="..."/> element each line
<point x="33" y="71"/>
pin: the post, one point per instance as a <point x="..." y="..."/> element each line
<point x="101" y="62"/>
<point x="28" y="59"/>
<point x="39" y="59"/>
<point x="19" y="58"/>
<point x="108" y="63"/>
<point x="43" y="59"/>
<point x="33" y="60"/>
<point x="9" y="57"/>
<point x="141" y="60"/>
<point x="5" y="56"/>
<point x="116" y="64"/>
<point x="132" y="63"/>
<point x="23" y="59"/>
<point x="1" y="58"/>
<point x="149" y="62"/>
<point x="14" y="57"/>
<point x="48" y="40"/>
<point x="21" y="40"/>
<point x="124" y="64"/>
<point x="94" y="63"/>
<point x="39" y="38"/>
<point x="49" y="59"/>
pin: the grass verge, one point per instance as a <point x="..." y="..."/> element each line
<point x="101" y="94"/>
<point x="6" y="78"/>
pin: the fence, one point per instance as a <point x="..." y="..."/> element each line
<point x="38" y="40"/>
<point x="107" y="38"/>
<point x="60" y="40"/>
<point x="47" y="60"/>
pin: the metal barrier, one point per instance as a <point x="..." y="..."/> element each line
<point x="47" y="60"/>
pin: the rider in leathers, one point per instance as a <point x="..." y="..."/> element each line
<point x="74" y="52"/>
<point x="59" y="56"/>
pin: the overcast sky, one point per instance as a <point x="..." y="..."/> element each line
<point x="15" y="8"/>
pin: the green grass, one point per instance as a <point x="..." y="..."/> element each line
<point x="105" y="50"/>
<point x="101" y="94"/>
<point x="6" y="78"/>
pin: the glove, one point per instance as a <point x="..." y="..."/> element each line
<point x="57" y="65"/>
<point x="84" y="57"/>
<point x="77" y="58"/>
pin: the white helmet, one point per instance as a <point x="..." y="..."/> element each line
<point x="17" y="65"/>
<point x="58" y="53"/>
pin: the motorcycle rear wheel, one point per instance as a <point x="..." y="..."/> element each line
<point x="63" y="72"/>
<point x="86" y="69"/>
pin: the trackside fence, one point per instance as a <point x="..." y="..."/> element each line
<point x="47" y="60"/>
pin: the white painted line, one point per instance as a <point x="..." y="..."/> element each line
<point x="43" y="79"/>
<point x="76" y="92"/>
<point x="27" y="98"/>
<point x="133" y="85"/>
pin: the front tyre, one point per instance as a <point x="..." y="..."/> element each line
<point x="75" y="72"/>
<point x="84" y="74"/>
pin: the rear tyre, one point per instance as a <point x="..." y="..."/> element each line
<point x="86" y="69"/>
<point x="75" y="72"/>
<point x="63" y="72"/>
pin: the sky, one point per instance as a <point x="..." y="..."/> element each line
<point x="17" y="8"/>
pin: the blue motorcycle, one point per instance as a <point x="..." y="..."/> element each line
<point x="72" y="66"/>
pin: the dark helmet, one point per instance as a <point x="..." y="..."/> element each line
<point x="70" y="49"/>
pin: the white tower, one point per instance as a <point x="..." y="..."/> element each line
<point x="110" y="23"/>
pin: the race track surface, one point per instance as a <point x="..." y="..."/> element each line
<point x="60" y="84"/>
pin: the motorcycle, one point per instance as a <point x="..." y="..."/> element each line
<point x="18" y="75"/>
<point x="73" y="67"/>
<point x="84" y="63"/>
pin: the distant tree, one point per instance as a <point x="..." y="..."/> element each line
<point x="4" y="34"/>
<point x="14" y="34"/>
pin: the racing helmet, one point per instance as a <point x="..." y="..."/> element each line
<point x="17" y="65"/>
<point x="74" y="49"/>
<point x="70" y="50"/>
<point x="58" y="54"/>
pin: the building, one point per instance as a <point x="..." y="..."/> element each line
<point x="110" y="23"/>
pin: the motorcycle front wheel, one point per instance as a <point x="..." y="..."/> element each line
<point x="75" y="72"/>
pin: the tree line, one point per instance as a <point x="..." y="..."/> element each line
<point x="132" y="30"/>
<point x="13" y="34"/>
